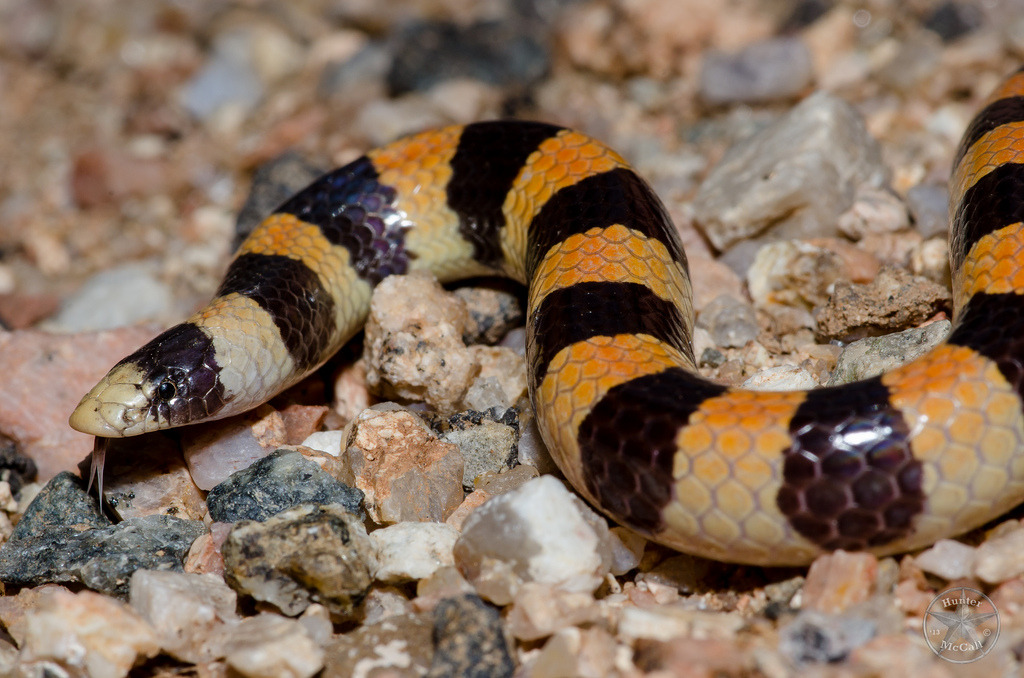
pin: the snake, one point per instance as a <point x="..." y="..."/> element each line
<point x="888" y="464"/>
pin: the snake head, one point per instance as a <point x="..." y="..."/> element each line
<point x="171" y="381"/>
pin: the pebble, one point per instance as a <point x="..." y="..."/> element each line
<point x="582" y="653"/>
<point x="215" y="450"/>
<point x="711" y="279"/>
<point x="412" y="551"/>
<point x="929" y="208"/>
<point x="492" y="313"/>
<point x="44" y="378"/>
<point x="949" y="559"/>
<point x="818" y="638"/>
<point x="469" y="640"/>
<point x="228" y="79"/>
<point x="503" y="372"/>
<point x="540" y="610"/>
<point x="839" y="580"/>
<point x="874" y="210"/>
<point x="403" y="469"/>
<point x="413" y="348"/>
<point x="793" y="273"/>
<point x="279" y="481"/>
<point x="871" y="356"/>
<point x="271" y="646"/>
<point x="398" y="645"/>
<point x="769" y="70"/>
<point x="303" y="555"/>
<point x="791" y="178"/>
<point x="894" y="301"/>
<point x="487" y="446"/>
<point x="273" y="182"/>
<point x="512" y="539"/>
<point x="732" y="322"/>
<point x="189" y="613"/>
<point x="1000" y="558"/>
<point x="85" y="634"/>
<point x="675" y="621"/>
<point x="124" y="295"/>
<point x="930" y="259"/>
<point x="63" y="537"/>
<point x="150" y="478"/>
<point x="781" y="378"/>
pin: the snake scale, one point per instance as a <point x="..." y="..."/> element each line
<point x="888" y="464"/>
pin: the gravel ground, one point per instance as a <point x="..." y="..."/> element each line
<point x="141" y="139"/>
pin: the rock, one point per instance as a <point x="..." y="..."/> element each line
<point x="444" y="582"/>
<point x="44" y="378"/>
<point x="204" y="557"/>
<point x="672" y="622"/>
<point x="793" y="273"/>
<point x="874" y="210"/>
<point x="872" y="356"/>
<point x="492" y="313"/>
<point x="16" y="469"/>
<point x="405" y="471"/>
<point x="280" y="480"/>
<point x="383" y="602"/>
<point x="228" y="79"/>
<point x="328" y="442"/>
<point x="303" y="555"/>
<point x="813" y="637"/>
<point x="949" y="559"/>
<point x="711" y="279"/>
<point x="792" y="177"/>
<point x="513" y="539"/>
<point x="215" y="450"/>
<point x="1000" y="558"/>
<point x="64" y="538"/>
<point x="412" y="551"/>
<point x="781" y="378"/>
<point x="929" y="208"/>
<point x="273" y="182"/>
<point x="502" y="372"/>
<point x="533" y="451"/>
<point x="470" y="641"/>
<point x="124" y="295"/>
<point x="587" y="653"/>
<point x="350" y="394"/>
<point x="271" y="646"/>
<point x="146" y="475"/>
<point x="770" y="70"/>
<point x="504" y="53"/>
<point x="189" y="613"/>
<point x="894" y="301"/>
<point x="539" y="611"/>
<point x="86" y="634"/>
<point x="839" y="580"/>
<point x="732" y="322"/>
<point x="487" y="446"/>
<point x="401" y="643"/>
<point x="413" y="347"/>
<point x="951" y="20"/>
<point x="101" y="176"/>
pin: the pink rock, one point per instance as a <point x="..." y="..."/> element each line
<point x="44" y="376"/>
<point x="838" y="580"/>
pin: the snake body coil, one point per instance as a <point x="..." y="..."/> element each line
<point x="892" y="463"/>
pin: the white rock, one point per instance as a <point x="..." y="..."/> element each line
<point x="328" y="442"/>
<point x="1000" y="558"/>
<point x="88" y="634"/>
<point x="539" y="532"/>
<point x="781" y="378"/>
<point x="188" y="611"/>
<point x="412" y="551"/>
<point x="271" y="646"/>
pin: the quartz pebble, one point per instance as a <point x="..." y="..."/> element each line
<point x="413" y="348"/>
<point x="189" y="613"/>
<point x="272" y="646"/>
<point x="540" y="610"/>
<point x="839" y="580"/>
<point x="276" y="482"/>
<point x="764" y="71"/>
<point x="141" y="480"/>
<point x="215" y="450"/>
<point x="412" y="551"/>
<point x="732" y="322"/>
<point x="86" y="634"/>
<point x="1001" y="557"/>
<point x="949" y="559"/>
<point x="781" y="378"/>
<point x="404" y="470"/>
<point x="120" y="296"/>
<point x="791" y="178"/>
<point x="512" y="539"/>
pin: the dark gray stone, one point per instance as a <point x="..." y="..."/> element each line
<point x="273" y="182"/>
<point x="277" y="482"/>
<point x="64" y="538"/>
<point x="469" y="640"/>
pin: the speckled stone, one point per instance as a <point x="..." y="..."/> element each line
<point x="470" y="641"/>
<point x="278" y="481"/>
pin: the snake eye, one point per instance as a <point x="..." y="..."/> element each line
<point x="166" y="390"/>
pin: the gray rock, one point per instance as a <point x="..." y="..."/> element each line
<point x="303" y="555"/>
<point x="119" y="296"/>
<point x="279" y="481"/>
<point x="793" y="178"/>
<point x="872" y="356"/>
<point x="63" y="537"/>
<point x="366" y="68"/>
<point x="492" y="313"/>
<point x="770" y="70"/>
<point x="470" y="641"/>
<point x="813" y="637"/>
<point x="731" y="322"/>
<point x="228" y="77"/>
<point x="929" y="208"/>
<point x="487" y="440"/>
